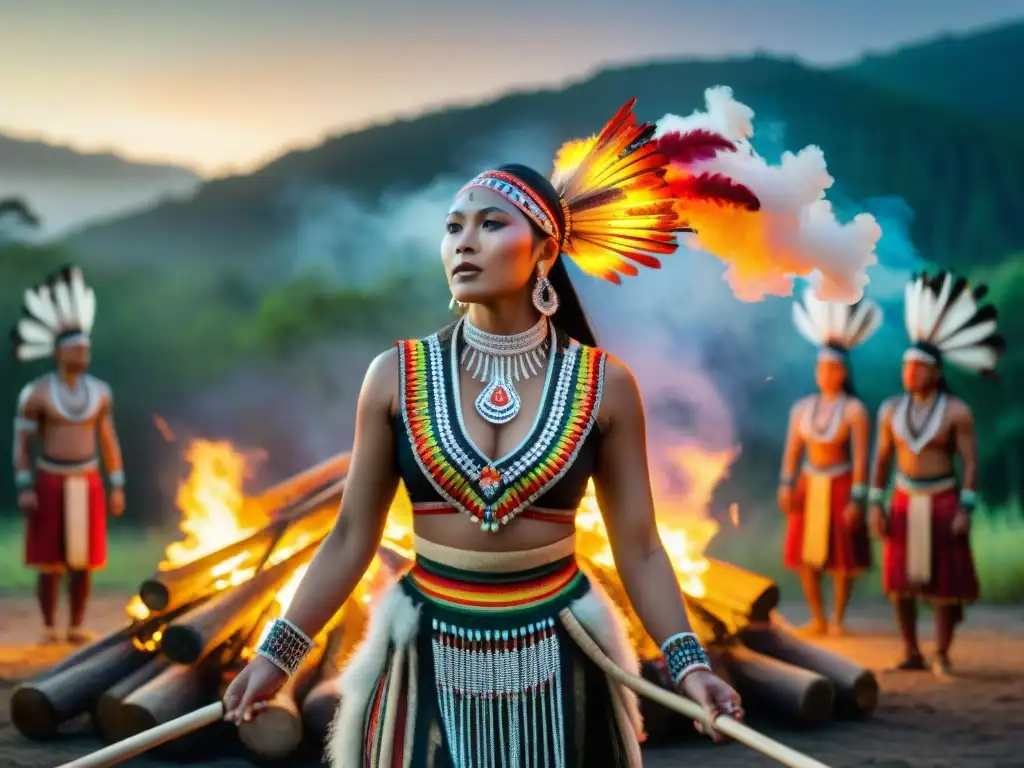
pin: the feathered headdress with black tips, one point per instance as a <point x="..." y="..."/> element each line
<point x="834" y="327"/>
<point x="57" y="311"/>
<point x="946" y="322"/>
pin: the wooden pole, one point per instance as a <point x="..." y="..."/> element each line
<point x="145" y="741"/>
<point x="725" y="725"/>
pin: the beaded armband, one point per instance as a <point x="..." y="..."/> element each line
<point x="876" y="495"/>
<point x="684" y="654"/>
<point x="23" y="479"/>
<point x="117" y="478"/>
<point x="285" y="646"/>
<point x="968" y="500"/>
<point x="785" y="481"/>
<point x="858" y="493"/>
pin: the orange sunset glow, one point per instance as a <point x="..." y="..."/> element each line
<point x="190" y="84"/>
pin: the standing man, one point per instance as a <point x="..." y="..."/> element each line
<point x="823" y="496"/>
<point x="67" y="415"/>
<point x="927" y="551"/>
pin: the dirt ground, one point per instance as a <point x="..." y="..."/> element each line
<point x="976" y="719"/>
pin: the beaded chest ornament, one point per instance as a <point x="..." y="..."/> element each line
<point x="501" y="361"/>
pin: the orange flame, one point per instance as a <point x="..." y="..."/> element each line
<point x="216" y="513"/>
<point x="684" y="526"/>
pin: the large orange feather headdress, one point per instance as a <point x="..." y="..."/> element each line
<point x="620" y="200"/>
<point x="616" y="209"/>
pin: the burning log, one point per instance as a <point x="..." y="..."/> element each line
<point x="39" y="706"/>
<point x="216" y="607"/>
<point x="166" y="590"/>
<point x="295" y="489"/>
<point x="794" y="694"/>
<point x="193" y="637"/>
<point x="735" y="596"/>
<point x="106" y="714"/>
<point x="856" y="686"/>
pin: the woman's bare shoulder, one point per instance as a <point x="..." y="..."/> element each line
<point x="620" y="398"/>
<point x="380" y="384"/>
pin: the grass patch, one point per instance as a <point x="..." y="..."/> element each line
<point x="997" y="539"/>
<point x="132" y="555"/>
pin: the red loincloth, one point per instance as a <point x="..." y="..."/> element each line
<point x="849" y="550"/>
<point x="953" y="577"/>
<point x="53" y="537"/>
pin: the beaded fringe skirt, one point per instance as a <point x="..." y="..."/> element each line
<point x="472" y="669"/>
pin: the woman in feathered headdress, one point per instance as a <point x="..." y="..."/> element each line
<point x="68" y="416"/>
<point x="495" y="425"/>
<point x="823" y="499"/>
<point x="927" y="550"/>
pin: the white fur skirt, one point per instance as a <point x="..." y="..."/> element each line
<point x="472" y="669"/>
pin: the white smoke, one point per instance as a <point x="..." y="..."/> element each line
<point x="796" y="233"/>
<point x="711" y="370"/>
<point x="358" y="242"/>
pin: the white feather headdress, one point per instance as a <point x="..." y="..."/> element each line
<point x="947" y="323"/>
<point x="833" y="326"/>
<point x="59" y="310"/>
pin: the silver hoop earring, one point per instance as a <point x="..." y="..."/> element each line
<point x="544" y="297"/>
<point x="457" y="307"/>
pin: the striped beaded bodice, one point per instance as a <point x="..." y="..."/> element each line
<point x="438" y="462"/>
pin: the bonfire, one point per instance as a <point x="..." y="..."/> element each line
<point x="239" y="559"/>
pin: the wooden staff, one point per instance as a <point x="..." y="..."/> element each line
<point x="145" y="741"/>
<point x="724" y="724"/>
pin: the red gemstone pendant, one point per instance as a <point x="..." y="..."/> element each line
<point x="499" y="397"/>
<point x="498" y="402"/>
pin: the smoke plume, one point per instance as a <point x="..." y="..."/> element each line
<point x="714" y="371"/>
<point x="794" y="234"/>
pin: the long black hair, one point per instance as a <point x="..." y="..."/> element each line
<point x="570" y="317"/>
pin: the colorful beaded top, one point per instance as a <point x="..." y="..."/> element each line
<point x="493" y="493"/>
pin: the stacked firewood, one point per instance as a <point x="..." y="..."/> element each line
<point x="203" y="619"/>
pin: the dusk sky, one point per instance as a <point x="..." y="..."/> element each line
<point x="222" y="85"/>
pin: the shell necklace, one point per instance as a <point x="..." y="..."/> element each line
<point x="75" y="403"/>
<point x="501" y="361"/>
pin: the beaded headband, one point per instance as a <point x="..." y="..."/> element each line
<point x="832" y="352"/>
<point x="523" y="197"/>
